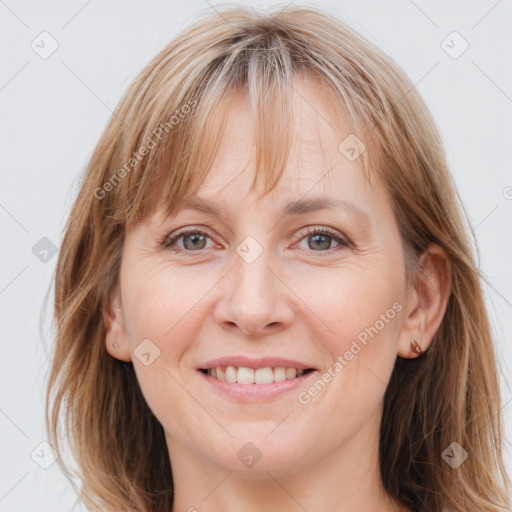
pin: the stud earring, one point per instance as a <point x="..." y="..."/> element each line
<point x="116" y="345"/>
<point x="415" y="346"/>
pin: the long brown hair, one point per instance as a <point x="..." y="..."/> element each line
<point x="157" y="149"/>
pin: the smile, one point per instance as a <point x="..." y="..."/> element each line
<point x="245" y="375"/>
<point x="256" y="385"/>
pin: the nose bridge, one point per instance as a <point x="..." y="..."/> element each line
<point x="251" y="277"/>
<point x="253" y="256"/>
<point x="253" y="298"/>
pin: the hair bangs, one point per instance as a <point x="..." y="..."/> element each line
<point x="179" y="164"/>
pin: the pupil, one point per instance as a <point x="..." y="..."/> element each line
<point x="321" y="238"/>
<point x="194" y="239"/>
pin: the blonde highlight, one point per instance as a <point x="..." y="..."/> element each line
<point x="449" y="394"/>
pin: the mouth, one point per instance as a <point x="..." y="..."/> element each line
<point x="247" y="376"/>
<point x="255" y="385"/>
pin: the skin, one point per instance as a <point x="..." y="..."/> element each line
<point x="302" y="299"/>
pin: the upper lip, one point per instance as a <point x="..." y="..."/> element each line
<point x="260" y="362"/>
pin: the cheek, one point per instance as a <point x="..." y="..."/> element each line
<point x="356" y="298"/>
<point x="363" y="313"/>
<point x="161" y="299"/>
<point x="364" y="316"/>
<point x="160" y="306"/>
<point x="165" y="306"/>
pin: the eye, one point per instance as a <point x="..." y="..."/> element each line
<point x="195" y="240"/>
<point x="192" y="238"/>
<point x="320" y="239"/>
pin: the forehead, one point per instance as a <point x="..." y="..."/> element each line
<point x="318" y="162"/>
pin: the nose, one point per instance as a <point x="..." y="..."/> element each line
<point x="254" y="299"/>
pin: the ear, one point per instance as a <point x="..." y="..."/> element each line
<point x="114" y="327"/>
<point x="426" y="303"/>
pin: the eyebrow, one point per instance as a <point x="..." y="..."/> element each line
<point x="298" y="207"/>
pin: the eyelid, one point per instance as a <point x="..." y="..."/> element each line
<point x="343" y="241"/>
<point x="317" y="229"/>
<point x="176" y="235"/>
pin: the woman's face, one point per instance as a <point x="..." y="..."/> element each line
<point x="256" y="281"/>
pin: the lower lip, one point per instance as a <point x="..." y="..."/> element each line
<point x="255" y="392"/>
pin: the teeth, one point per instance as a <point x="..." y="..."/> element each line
<point x="231" y="374"/>
<point x="243" y="375"/>
<point x="279" y="374"/>
<point x="263" y="376"/>
<point x="291" y="373"/>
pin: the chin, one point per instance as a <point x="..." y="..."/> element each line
<point x="253" y="455"/>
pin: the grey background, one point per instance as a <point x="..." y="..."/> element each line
<point x="53" y="111"/>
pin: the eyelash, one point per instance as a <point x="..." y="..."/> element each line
<point x="169" y="240"/>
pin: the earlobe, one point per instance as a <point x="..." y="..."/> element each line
<point x="426" y="304"/>
<point x="116" y="338"/>
<point x="416" y="347"/>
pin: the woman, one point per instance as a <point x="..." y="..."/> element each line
<point x="265" y="297"/>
